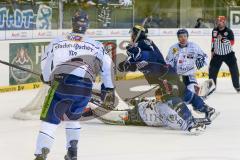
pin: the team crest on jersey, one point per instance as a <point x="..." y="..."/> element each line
<point x="175" y="50"/>
<point x="215" y="33"/>
<point x="225" y="33"/>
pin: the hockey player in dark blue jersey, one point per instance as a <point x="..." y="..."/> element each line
<point x="145" y="56"/>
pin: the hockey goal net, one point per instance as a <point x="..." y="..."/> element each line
<point x="32" y="110"/>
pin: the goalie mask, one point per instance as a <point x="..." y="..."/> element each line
<point x="80" y="22"/>
<point x="135" y="31"/>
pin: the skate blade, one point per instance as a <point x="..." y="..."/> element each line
<point x="68" y="158"/>
<point x="197" y="131"/>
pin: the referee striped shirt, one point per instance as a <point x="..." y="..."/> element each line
<point x="222" y="41"/>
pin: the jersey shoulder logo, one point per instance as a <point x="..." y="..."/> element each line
<point x="175" y="50"/>
<point x="225" y="33"/>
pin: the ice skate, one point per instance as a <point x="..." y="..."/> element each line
<point x="211" y="113"/>
<point x="42" y="156"/>
<point x="72" y="151"/>
<point x="238" y="90"/>
<point x="197" y="129"/>
<point x="204" y="121"/>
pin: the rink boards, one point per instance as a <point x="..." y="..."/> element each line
<point x="24" y="48"/>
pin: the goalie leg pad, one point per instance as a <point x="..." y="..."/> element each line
<point x="181" y="108"/>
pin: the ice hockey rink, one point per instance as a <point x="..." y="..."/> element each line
<point x="99" y="141"/>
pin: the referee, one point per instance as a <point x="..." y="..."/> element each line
<point x="222" y="42"/>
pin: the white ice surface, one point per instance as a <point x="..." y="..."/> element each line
<point x="221" y="141"/>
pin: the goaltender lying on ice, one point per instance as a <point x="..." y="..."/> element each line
<point x="149" y="112"/>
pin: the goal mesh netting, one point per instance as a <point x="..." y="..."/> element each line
<point x="32" y="110"/>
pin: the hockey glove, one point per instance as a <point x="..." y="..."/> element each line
<point x="200" y="61"/>
<point x="133" y="52"/>
<point x="123" y="66"/>
<point x="107" y="97"/>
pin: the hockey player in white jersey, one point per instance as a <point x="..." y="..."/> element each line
<point x="184" y="56"/>
<point x="70" y="65"/>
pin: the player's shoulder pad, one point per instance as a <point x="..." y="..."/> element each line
<point x="145" y="44"/>
<point x="174" y="48"/>
<point x="193" y="45"/>
<point x="58" y="39"/>
<point x="96" y="44"/>
<point x="229" y="29"/>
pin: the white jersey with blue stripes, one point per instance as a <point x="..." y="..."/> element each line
<point x="182" y="59"/>
<point x="160" y="114"/>
<point x="78" y="55"/>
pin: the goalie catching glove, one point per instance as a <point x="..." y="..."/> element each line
<point x="107" y="97"/>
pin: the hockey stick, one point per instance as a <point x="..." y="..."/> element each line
<point x="95" y="92"/>
<point x="20" y="68"/>
<point x="147" y="19"/>
<point x="139" y="32"/>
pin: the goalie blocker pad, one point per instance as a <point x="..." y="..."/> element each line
<point x="207" y="88"/>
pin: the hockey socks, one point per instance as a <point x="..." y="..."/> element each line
<point x="45" y="137"/>
<point x="72" y="132"/>
<point x="72" y="137"/>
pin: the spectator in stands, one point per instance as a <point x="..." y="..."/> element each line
<point x="200" y="24"/>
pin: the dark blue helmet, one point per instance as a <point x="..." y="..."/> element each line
<point x="182" y="31"/>
<point x="80" y="22"/>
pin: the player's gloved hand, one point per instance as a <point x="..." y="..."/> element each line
<point x="133" y="52"/>
<point x="107" y="97"/>
<point x="125" y="2"/>
<point x="200" y="61"/>
<point x="123" y="66"/>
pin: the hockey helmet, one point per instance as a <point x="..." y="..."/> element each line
<point x="80" y="21"/>
<point x="138" y="28"/>
<point x="182" y="31"/>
